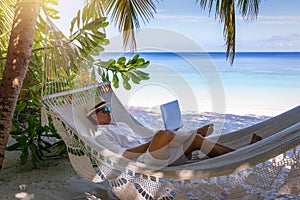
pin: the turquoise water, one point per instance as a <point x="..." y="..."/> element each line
<point x="257" y="83"/>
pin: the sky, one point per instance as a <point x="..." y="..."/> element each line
<point x="277" y="27"/>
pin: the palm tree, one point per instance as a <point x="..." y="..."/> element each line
<point x="18" y="54"/>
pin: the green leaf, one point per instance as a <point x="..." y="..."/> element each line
<point x="144" y="65"/>
<point x="91" y="11"/>
<point x="52" y="13"/>
<point x="126" y="76"/>
<point x="142" y="75"/>
<point x="115" y="80"/>
<point x="134" y="78"/>
<point x="126" y="84"/>
<point x="34" y="155"/>
<point x="21" y="106"/>
<point x="121" y="61"/>
<point x="24" y="155"/>
<point x="135" y="57"/>
<point x="107" y="77"/>
<point x="14" y="147"/>
<point x="41" y="24"/>
<point x="72" y="25"/>
<point x="107" y="64"/>
<point x="31" y="123"/>
<point x="104" y="24"/>
<point x="95" y="24"/>
<point x="92" y="43"/>
<point x="78" y="18"/>
<point x="20" y="138"/>
<point x="85" y="13"/>
<point x="103" y="42"/>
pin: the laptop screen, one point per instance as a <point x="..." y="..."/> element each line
<point x="171" y="115"/>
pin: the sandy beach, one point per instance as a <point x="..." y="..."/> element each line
<point x="57" y="180"/>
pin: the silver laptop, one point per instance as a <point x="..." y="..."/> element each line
<point x="171" y="115"/>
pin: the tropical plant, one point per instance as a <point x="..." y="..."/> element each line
<point x="87" y="39"/>
<point x="128" y="70"/>
<point x="32" y="138"/>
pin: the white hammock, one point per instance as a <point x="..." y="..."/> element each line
<point x="251" y="171"/>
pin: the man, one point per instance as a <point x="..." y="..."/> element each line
<point x="164" y="148"/>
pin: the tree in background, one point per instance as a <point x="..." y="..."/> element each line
<point x="18" y="55"/>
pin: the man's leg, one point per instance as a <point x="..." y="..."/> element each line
<point x="158" y="147"/>
<point x="206" y="130"/>
<point x="255" y="138"/>
<point x="213" y="149"/>
<point x="208" y="147"/>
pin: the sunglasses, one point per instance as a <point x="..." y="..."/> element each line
<point x="106" y="109"/>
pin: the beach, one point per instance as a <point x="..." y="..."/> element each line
<point x="57" y="180"/>
<point x="257" y="87"/>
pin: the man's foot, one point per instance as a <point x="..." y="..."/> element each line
<point x="255" y="138"/>
<point x="206" y="130"/>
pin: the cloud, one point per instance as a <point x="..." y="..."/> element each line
<point x="290" y="42"/>
<point x="277" y="20"/>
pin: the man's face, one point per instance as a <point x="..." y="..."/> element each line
<point x="103" y="116"/>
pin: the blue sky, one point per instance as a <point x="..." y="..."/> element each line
<point x="277" y="27"/>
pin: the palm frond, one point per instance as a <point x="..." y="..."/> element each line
<point x="7" y="9"/>
<point x="225" y="11"/>
<point x="249" y="8"/>
<point x="99" y="7"/>
<point x="127" y="15"/>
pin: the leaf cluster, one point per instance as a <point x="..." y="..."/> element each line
<point x="126" y="69"/>
<point x="31" y="137"/>
<point x="87" y="31"/>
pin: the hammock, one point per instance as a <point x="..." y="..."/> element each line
<point x="252" y="171"/>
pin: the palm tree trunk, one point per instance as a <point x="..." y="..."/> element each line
<point x="19" y="51"/>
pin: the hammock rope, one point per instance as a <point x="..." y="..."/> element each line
<point x="251" y="171"/>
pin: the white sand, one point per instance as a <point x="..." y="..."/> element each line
<point x="57" y="180"/>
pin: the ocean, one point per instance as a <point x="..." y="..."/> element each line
<point x="258" y="83"/>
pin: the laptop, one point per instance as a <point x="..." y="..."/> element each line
<point x="171" y="115"/>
